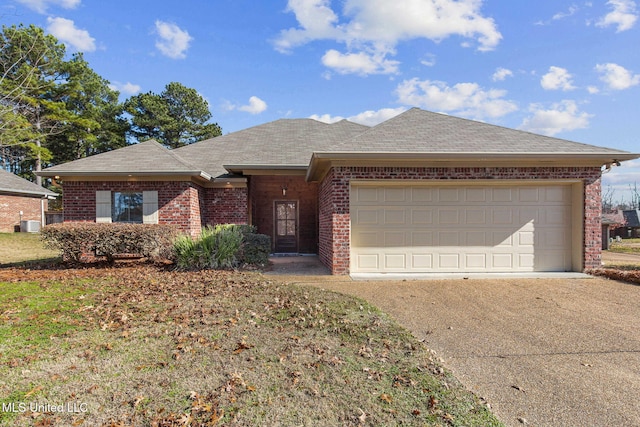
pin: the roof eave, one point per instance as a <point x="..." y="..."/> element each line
<point x="322" y="161"/>
<point x="192" y="173"/>
<point x="261" y="169"/>
<point x="42" y="194"/>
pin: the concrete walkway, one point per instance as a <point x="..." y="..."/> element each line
<point x="543" y="352"/>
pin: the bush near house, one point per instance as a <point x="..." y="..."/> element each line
<point x="78" y="242"/>
<point x="222" y="246"/>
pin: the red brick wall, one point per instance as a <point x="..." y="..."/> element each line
<point x="179" y="203"/>
<point x="334" y="221"/>
<point x="263" y="190"/>
<point x="226" y="206"/>
<point x="10" y="207"/>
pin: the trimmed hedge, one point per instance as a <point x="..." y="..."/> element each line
<point x="77" y="241"/>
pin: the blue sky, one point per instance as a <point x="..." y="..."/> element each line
<point x="569" y="69"/>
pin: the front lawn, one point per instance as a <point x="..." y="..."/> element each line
<point x="139" y="345"/>
<point x="17" y="248"/>
<point x="630" y="246"/>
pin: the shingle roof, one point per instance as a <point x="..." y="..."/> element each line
<point x="10" y="183"/>
<point x="147" y="157"/>
<point x="631" y="218"/>
<point x="284" y="142"/>
<point x="290" y="143"/>
<point x="422" y="131"/>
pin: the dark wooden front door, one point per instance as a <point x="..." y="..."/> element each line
<point x="286" y="226"/>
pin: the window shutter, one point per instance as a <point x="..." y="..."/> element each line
<point x="150" y="207"/>
<point x="103" y="206"/>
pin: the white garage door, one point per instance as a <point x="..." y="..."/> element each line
<point x="455" y="228"/>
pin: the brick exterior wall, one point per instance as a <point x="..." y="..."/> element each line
<point x="334" y="232"/>
<point x="264" y="190"/>
<point x="10" y="207"/>
<point x="179" y="203"/>
<point x="226" y="206"/>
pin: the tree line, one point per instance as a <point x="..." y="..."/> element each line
<point x="54" y="108"/>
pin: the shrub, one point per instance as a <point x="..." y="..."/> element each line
<point x="76" y="241"/>
<point x="222" y="246"/>
<point x="256" y="249"/>
<point x="217" y="247"/>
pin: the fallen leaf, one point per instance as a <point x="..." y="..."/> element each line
<point x="385" y="398"/>
<point x="518" y="388"/>
<point x="33" y="391"/>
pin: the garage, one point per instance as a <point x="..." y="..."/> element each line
<point x="464" y="227"/>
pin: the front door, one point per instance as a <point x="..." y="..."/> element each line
<point x="286" y="227"/>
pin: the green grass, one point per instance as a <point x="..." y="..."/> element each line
<point x="144" y="346"/>
<point x="33" y="314"/>
<point x="628" y="246"/>
<point x="21" y="248"/>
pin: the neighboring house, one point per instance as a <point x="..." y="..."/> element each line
<point x="21" y="200"/>
<point x="421" y="192"/>
<point x="610" y="222"/>
<point x="630" y="224"/>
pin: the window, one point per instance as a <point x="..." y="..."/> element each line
<point x="126" y="207"/>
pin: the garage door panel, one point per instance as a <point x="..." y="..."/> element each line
<point x="456" y="228"/>
<point x="367" y="216"/>
<point x="476" y="261"/>
<point x="394" y="217"/>
<point x="448" y="195"/>
<point x="421" y="216"/>
<point x="394" y="195"/>
<point x="367" y="262"/>
<point x="449" y="261"/>
<point x="422" y="261"/>
<point x="422" y="238"/>
<point x="475" y="216"/>
<point x="422" y="194"/>
<point x="448" y="216"/>
<point x="395" y="261"/>
<point x="367" y="194"/>
<point x="394" y="239"/>
<point x="499" y="195"/>
<point x="475" y="195"/>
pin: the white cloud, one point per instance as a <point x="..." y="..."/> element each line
<point x="617" y="77"/>
<point x="561" y="15"/>
<point x="255" y="106"/>
<point x="465" y="99"/>
<point x="429" y="60"/>
<point x="624" y="15"/>
<point x="367" y="118"/>
<point x="41" y="6"/>
<point x="593" y="90"/>
<point x="173" y="41"/>
<point x="65" y="30"/>
<point x="562" y="116"/>
<point x="359" y="63"/>
<point x="557" y="79"/>
<point x="501" y="74"/>
<point x="377" y="26"/>
<point x="125" y="88"/>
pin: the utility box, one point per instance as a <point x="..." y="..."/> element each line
<point x="29" y="226"/>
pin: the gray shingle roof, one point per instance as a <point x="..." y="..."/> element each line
<point x="147" y="157"/>
<point x="290" y="143"/>
<point x="13" y="184"/>
<point x="631" y="218"/>
<point x="284" y="142"/>
<point x="422" y="131"/>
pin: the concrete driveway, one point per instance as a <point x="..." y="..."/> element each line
<point x="542" y="352"/>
